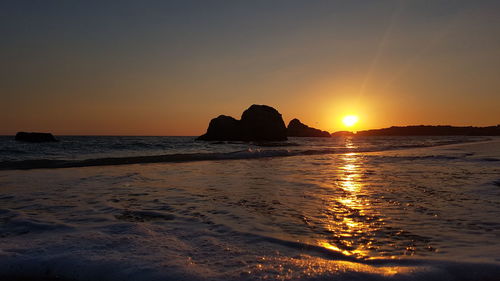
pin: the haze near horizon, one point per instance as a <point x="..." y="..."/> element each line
<point x="168" y="67"/>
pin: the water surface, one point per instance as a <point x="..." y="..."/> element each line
<point x="386" y="208"/>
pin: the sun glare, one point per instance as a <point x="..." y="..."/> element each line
<point x="350" y="120"/>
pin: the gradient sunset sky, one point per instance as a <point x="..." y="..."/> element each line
<point x="168" y="67"/>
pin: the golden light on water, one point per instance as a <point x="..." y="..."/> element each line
<point x="350" y="225"/>
<point x="280" y="268"/>
<point x="350" y="120"/>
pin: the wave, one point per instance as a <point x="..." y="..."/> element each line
<point x="209" y="156"/>
<point x="489" y="159"/>
<point x="183" y="157"/>
<point x="167" y="158"/>
<point x="421" y="269"/>
<point x="108" y="265"/>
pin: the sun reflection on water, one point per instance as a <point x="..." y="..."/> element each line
<point x="351" y="216"/>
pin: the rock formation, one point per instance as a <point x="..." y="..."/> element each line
<point x="222" y="128"/>
<point x="298" y="129"/>
<point x="35" y="137"/>
<point x="258" y="123"/>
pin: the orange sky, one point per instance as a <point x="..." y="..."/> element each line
<point x="168" y="68"/>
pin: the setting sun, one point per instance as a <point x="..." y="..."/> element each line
<point x="350" y="120"/>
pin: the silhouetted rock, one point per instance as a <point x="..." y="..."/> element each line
<point x="258" y="123"/>
<point x="424" y="130"/>
<point x="342" y="133"/>
<point x="222" y="128"/>
<point x="298" y="129"/>
<point x="264" y="123"/>
<point x="35" y="137"/>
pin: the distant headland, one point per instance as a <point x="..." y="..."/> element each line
<point x="427" y="130"/>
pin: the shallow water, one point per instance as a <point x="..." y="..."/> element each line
<point x="84" y="151"/>
<point x="72" y="148"/>
<point x="424" y="213"/>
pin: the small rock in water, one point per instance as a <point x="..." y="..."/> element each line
<point x="35" y="137"/>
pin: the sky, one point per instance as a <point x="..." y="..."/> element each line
<point x="168" y="67"/>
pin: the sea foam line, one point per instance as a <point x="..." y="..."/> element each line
<point x="187" y="157"/>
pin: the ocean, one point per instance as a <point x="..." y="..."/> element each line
<point x="172" y="208"/>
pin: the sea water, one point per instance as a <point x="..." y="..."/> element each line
<point x="373" y="208"/>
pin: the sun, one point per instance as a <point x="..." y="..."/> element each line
<point x="350" y="120"/>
